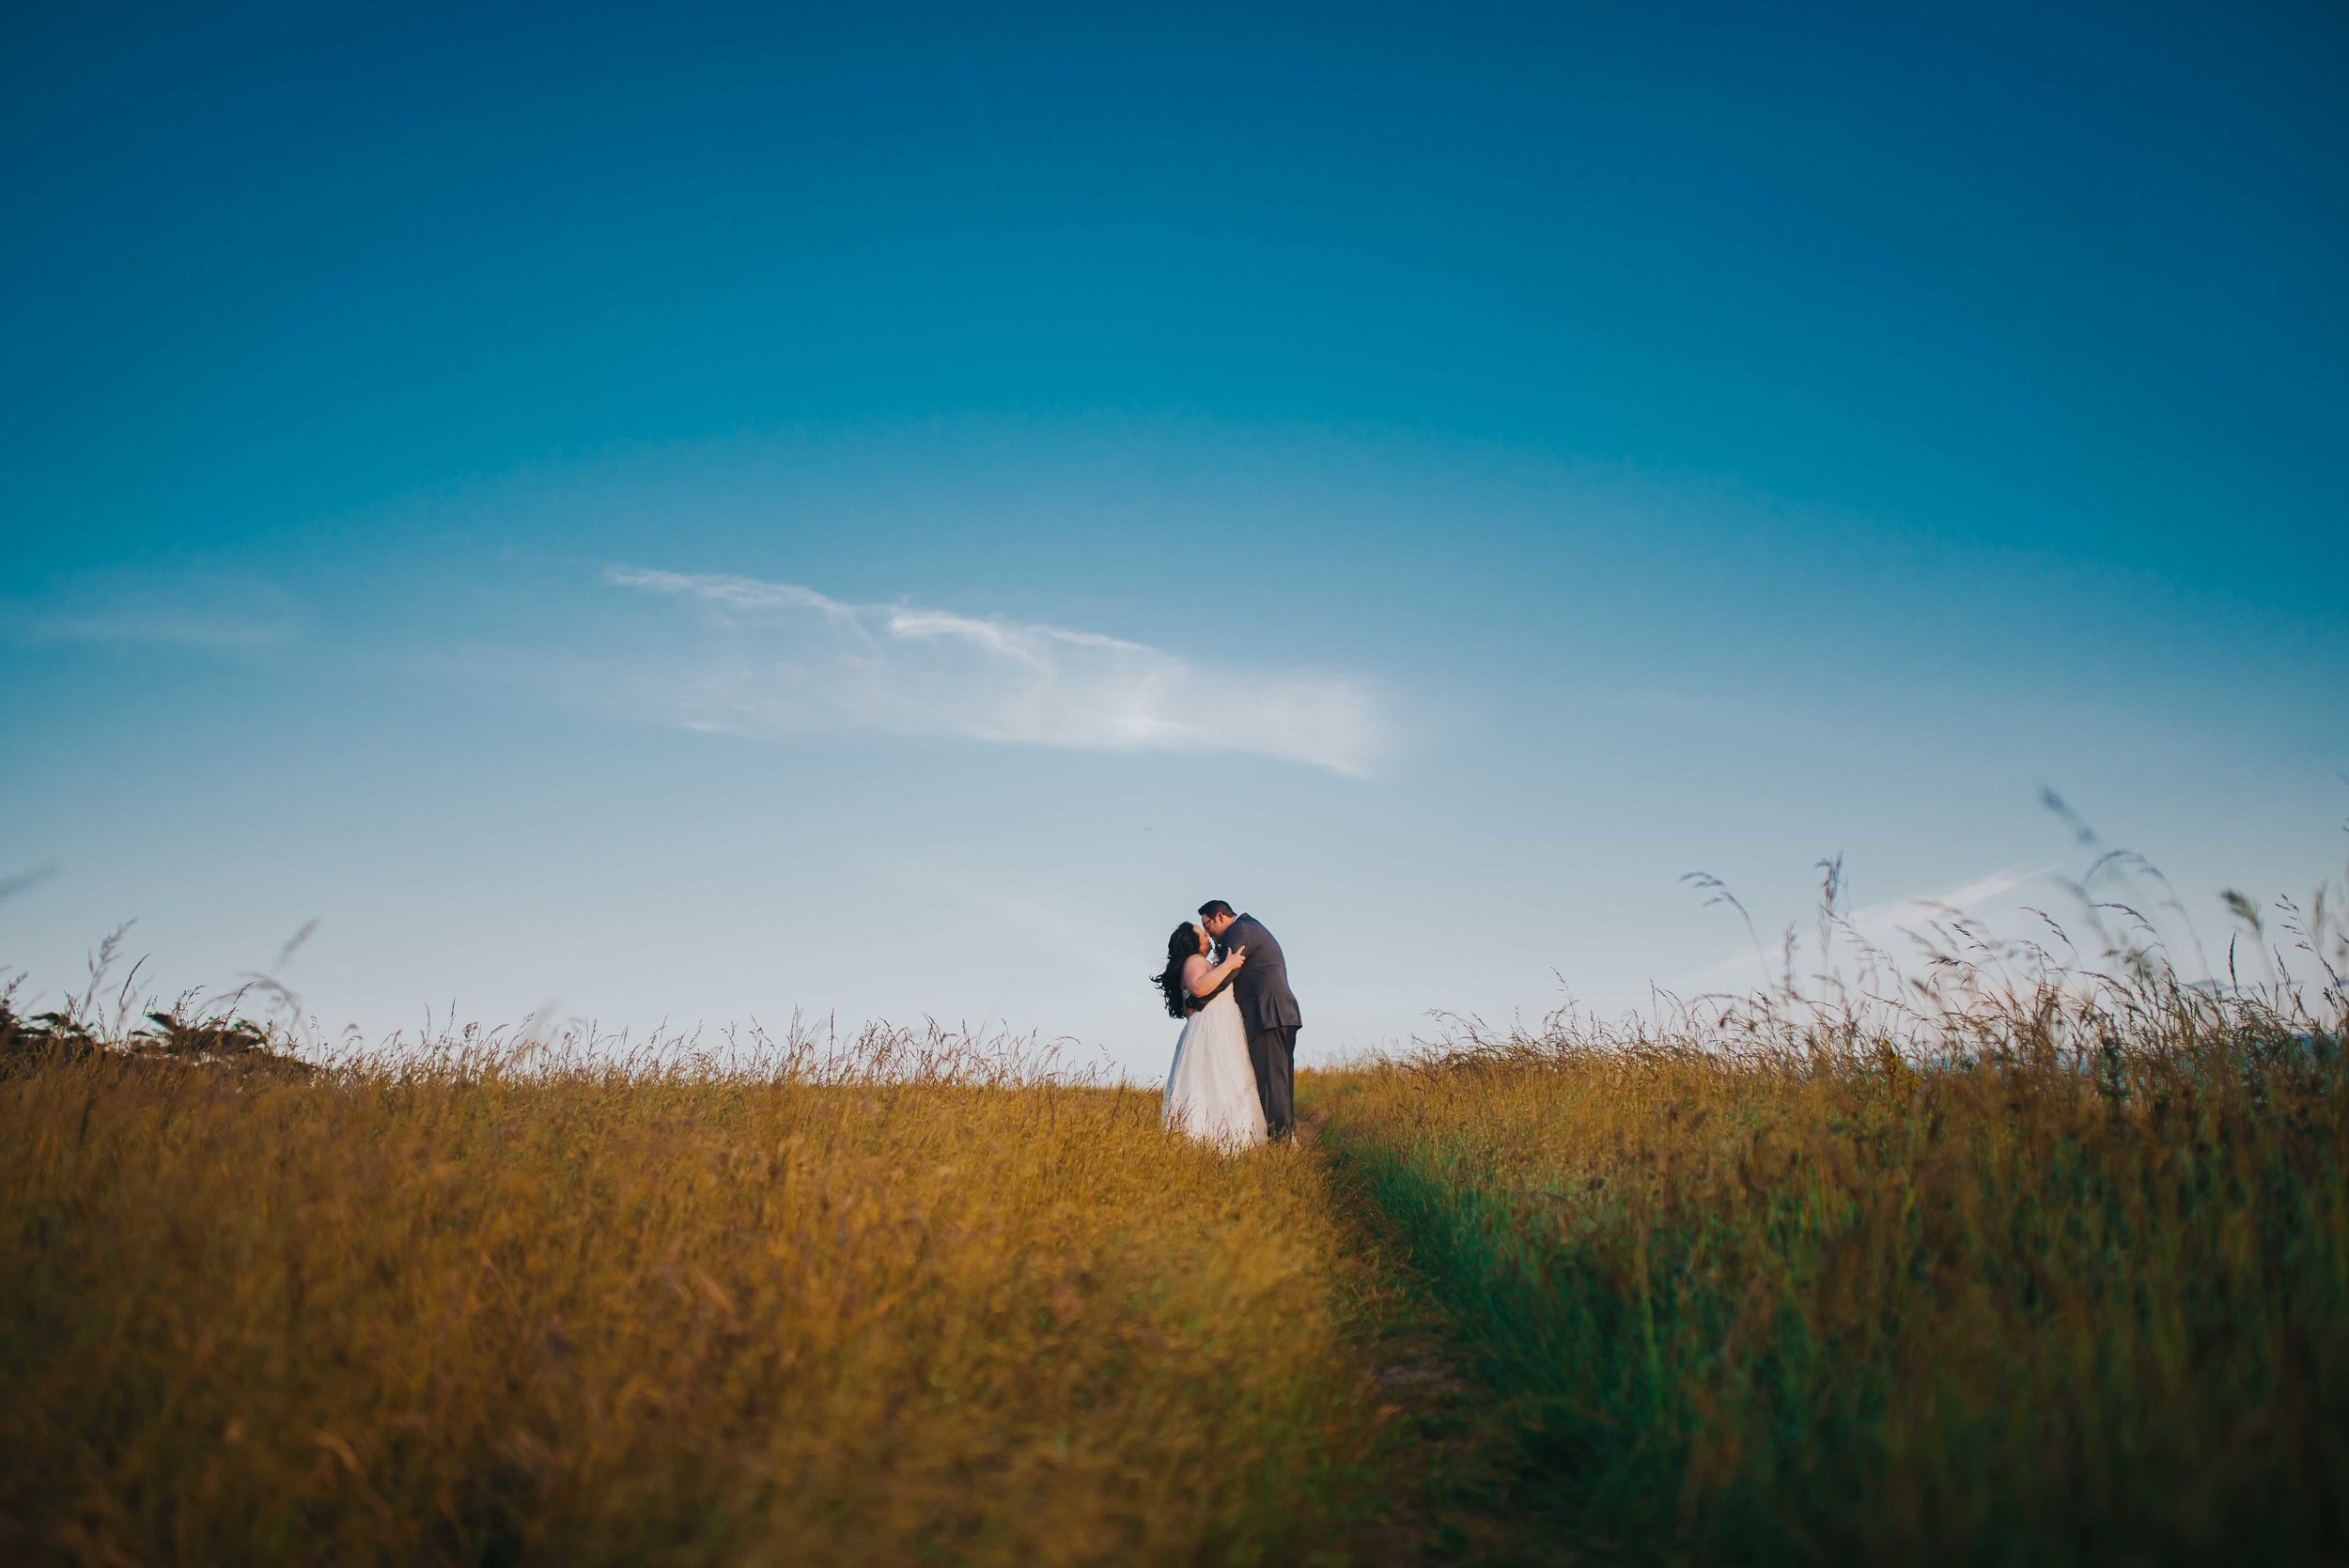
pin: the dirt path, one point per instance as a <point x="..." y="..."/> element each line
<point x="1447" y="1505"/>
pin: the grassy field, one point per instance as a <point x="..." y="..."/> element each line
<point x="454" y="1315"/>
<point x="1795" y="1308"/>
<point x="2016" y="1263"/>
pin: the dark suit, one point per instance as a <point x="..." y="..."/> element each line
<point x="1269" y="1008"/>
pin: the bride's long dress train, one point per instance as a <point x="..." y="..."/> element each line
<point x="1211" y="1089"/>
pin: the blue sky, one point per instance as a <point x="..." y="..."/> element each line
<point x="688" y="513"/>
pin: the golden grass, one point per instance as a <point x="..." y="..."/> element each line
<point x="431" y="1315"/>
<point x="2018" y="1262"/>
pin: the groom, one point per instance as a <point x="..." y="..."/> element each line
<point x="1266" y="1005"/>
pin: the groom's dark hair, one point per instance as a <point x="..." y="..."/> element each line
<point x="1214" y="906"/>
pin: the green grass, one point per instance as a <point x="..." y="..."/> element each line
<point x="1792" y="1303"/>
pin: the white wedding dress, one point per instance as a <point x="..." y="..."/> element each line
<point x="1211" y="1089"/>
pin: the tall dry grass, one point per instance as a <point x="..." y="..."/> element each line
<point x="2019" y="1263"/>
<point x="2025" y="1257"/>
<point x="481" y="1309"/>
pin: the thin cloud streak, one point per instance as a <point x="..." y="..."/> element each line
<point x="217" y="611"/>
<point x="1877" y="923"/>
<point x="784" y="658"/>
<point x="156" y="631"/>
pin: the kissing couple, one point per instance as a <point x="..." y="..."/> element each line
<point x="1226" y="980"/>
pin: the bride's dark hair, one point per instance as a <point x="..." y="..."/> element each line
<point x="1179" y="947"/>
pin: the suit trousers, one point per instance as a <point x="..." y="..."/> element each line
<point x="1272" y="1052"/>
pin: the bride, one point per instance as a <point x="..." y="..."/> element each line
<point x="1211" y="1089"/>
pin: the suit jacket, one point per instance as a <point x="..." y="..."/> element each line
<point x="1262" y="985"/>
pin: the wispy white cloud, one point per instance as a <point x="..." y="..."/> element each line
<point x="1878" y="925"/>
<point x="781" y="657"/>
<point x="1878" y="921"/>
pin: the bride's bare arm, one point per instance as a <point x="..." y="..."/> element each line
<point x="1201" y="977"/>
